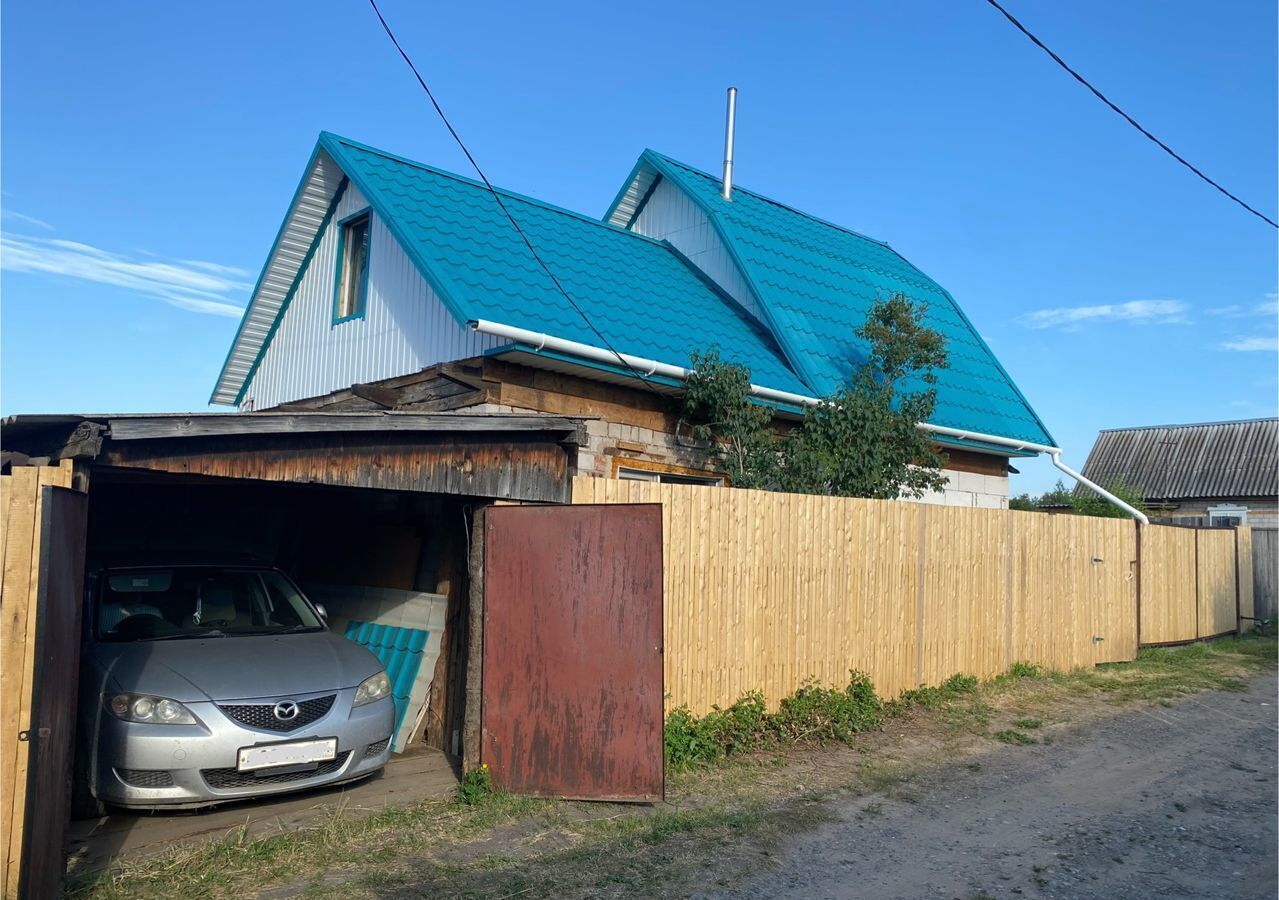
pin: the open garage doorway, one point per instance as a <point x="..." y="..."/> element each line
<point x="388" y="567"/>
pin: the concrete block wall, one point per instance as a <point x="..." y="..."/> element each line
<point x="971" y="489"/>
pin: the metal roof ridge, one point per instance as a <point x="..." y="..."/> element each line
<point x="523" y="198"/>
<point x="1189" y="424"/>
<point x="786" y="206"/>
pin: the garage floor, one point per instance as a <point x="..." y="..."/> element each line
<point x="421" y="774"/>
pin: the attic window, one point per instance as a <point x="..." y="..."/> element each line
<point x="352" y="288"/>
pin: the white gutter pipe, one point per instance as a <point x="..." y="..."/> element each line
<point x="649" y="367"/>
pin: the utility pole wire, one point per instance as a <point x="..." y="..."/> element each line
<point x="1129" y="119"/>
<point x="498" y="197"/>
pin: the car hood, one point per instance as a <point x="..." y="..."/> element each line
<point x="235" y="668"/>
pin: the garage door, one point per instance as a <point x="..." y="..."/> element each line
<point x="572" y="671"/>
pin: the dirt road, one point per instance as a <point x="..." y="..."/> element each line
<point x="1176" y="801"/>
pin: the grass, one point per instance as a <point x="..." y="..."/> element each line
<point x="731" y="816"/>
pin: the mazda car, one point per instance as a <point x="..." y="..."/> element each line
<point x="203" y="684"/>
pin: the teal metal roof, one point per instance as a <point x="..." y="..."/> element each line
<point x="815" y="282"/>
<point x="639" y="292"/>
<point x="812" y="281"/>
<point x="400" y="651"/>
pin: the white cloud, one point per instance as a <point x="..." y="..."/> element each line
<point x="1136" y="312"/>
<point x="25" y="219"/>
<point x="1261" y="343"/>
<point x="1270" y="307"/>
<point x="198" y="286"/>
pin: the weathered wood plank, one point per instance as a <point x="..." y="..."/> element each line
<point x="223" y="424"/>
<point x="15" y="606"/>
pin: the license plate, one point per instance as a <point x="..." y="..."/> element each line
<point x="295" y="754"/>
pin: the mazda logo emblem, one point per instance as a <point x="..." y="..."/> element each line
<point x="286" y="710"/>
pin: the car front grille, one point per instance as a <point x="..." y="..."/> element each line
<point x="262" y="715"/>
<point x="374" y="749"/>
<point x="234" y="778"/>
<point x="146" y="778"/>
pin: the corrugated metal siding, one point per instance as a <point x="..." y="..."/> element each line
<point x="670" y="215"/>
<point x="1172" y="462"/>
<point x="299" y="230"/>
<point x="405" y="326"/>
<point x="400" y="652"/>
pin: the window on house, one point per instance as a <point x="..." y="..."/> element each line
<point x="1227" y="515"/>
<point x="626" y="474"/>
<point x="353" y="268"/>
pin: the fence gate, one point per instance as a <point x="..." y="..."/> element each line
<point x="41" y="596"/>
<point x="572" y="662"/>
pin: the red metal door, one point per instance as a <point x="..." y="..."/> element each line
<point x="572" y="672"/>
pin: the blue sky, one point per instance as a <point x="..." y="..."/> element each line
<point x="150" y="151"/>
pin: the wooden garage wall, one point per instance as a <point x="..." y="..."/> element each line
<point x="764" y="590"/>
<point x="20" y="542"/>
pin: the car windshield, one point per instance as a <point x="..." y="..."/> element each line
<point x="189" y="602"/>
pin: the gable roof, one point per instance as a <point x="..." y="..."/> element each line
<point x="815" y="282"/>
<point x="644" y="297"/>
<point x="1181" y="462"/>
<point x="812" y="281"/>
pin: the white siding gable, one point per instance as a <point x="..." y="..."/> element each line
<point x="405" y="327"/>
<point x="670" y="215"/>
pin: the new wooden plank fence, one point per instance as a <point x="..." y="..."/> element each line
<point x="765" y="590"/>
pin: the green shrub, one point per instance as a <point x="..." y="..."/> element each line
<point x="740" y="728"/>
<point x="1025" y="670"/>
<point x="952" y="688"/>
<point x="475" y="785"/>
<point x="818" y="713"/>
<point x="813" y="714"/>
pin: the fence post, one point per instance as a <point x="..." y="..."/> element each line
<point x="919" y="596"/>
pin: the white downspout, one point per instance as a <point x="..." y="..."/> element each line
<point x="647" y="367"/>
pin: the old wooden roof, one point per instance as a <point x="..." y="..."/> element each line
<point x="1180" y="462"/>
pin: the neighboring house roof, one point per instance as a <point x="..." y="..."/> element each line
<point x="815" y="282"/>
<point x="1182" y="462"/>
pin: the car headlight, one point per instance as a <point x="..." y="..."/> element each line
<point x="149" y="709"/>
<point x="371" y="689"/>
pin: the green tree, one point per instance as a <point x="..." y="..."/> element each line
<point x="737" y="431"/>
<point x="861" y="441"/>
<point x="1083" y="501"/>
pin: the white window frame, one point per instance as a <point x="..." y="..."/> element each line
<point x="1228" y="511"/>
<point x="625" y="473"/>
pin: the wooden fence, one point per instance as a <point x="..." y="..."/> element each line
<point x="1265" y="572"/>
<point x="39" y="636"/>
<point x="1195" y="582"/>
<point x="765" y="590"/>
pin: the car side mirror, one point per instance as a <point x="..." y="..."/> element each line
<point x="324" y="613"/>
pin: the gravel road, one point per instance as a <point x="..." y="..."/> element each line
<point x="1175" y="801"/>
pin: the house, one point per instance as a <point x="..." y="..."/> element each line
<point x="1214" y="473"/>
<point x="396" y="285"/>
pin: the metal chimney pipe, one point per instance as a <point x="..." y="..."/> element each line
<point x="728" y="144"/>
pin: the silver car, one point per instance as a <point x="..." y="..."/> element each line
<point x="205" y="684"/>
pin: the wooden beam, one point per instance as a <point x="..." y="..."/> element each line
<point x="472" y="753"/>
<point x="382" y="396"/>
<point x="222" y="424"/>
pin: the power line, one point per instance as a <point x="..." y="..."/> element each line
<point x="1130" y="120"/>
<point x="498" y="197"/>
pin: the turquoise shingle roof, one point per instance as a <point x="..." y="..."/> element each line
<point x="400" y="652"/>
<point x="639" y="292"/>
<point x="812" y="282"/>
<point x="815" y="282"/>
